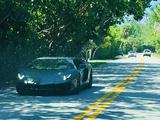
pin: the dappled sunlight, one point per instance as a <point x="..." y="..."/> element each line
<point x="140" y="100"/>
<point x="108" y="75"/>
<point x="39" y="106"/>
<point x="126" y="85"/>
<point x="131" y="99"/>
<point x="66" y="106"/>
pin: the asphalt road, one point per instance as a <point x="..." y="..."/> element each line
<point x="124" y="89"/>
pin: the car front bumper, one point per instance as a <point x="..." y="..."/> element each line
<point x="51" y="89"/>
<point x="146" y="54"/>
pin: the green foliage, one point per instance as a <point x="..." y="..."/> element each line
<point x="122" y="37"/>
<point x="32" y="28"/>
<point x="107" y="49"/>
<point x="134" y="35"/>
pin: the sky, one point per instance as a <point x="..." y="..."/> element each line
<point x="153" y="5"/>
<point x="148" y="10"/>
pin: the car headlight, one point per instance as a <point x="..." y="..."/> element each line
<point x="20" y="76"/>
<point x="30" y="81"/>
<point x="65" y="77"/>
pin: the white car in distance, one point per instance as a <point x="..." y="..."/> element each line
<point x="132" y="54"/>
<point x="147" y="52"/>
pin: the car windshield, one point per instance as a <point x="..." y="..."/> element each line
<point x="131" y="52"/>
<point x="51" y="64"/>
<point x="147" y="50"/>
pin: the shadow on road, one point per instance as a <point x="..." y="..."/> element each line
<point x="141" y="96"/>
<point x="141" y="100"/>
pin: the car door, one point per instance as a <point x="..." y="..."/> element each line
<point x="82" y="68"/>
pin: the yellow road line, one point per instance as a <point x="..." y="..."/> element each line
<point x="113" y="90"/>
<point x="95" y="104"/>
<point x="105" y="104"/>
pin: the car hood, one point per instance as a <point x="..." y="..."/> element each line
<point x="48" y="76"/>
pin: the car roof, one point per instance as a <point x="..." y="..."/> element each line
<point x="147" y="49"/>
<point x="66" y="58"/>
<point x="55" y="58"/>
<point x="131" y="51"/>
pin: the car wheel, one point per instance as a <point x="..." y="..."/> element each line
<point x="85" y="75"/>
<point x="90" y="81"/>
<point x="76" y="88"/>
<point x="20" y="91"/>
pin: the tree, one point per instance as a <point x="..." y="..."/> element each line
<point x="32" y="28"/>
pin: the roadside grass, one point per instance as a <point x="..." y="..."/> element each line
<point x="156" y="55"/>
<point x="96" y="63"/>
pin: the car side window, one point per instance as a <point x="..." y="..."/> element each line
<point x="78" y="62"/>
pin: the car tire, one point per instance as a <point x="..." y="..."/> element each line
<point x="85" y="75"/>
<point x="76" y="89"/>
<point x="78" y="86"/>
<point x="20" y="91"/>
<point x="89" y="85"/>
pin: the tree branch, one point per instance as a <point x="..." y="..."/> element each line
<point x="4" y="18"/>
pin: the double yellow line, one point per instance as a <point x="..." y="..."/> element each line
<point x="102" y="103"/>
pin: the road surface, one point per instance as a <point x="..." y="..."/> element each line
<point x="123" y="89"/>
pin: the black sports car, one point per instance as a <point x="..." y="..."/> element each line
<point x="54" y="75"/>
